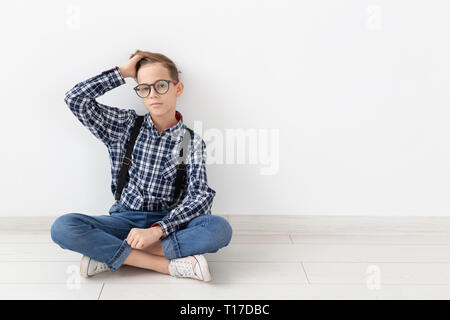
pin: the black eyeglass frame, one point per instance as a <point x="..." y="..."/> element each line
<point x="154" y="88"/>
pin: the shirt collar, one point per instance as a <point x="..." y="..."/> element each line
<point x="173" y="132"/>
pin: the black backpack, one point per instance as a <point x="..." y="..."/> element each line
<point x="180" y="179"/>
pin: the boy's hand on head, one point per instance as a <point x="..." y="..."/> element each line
<point x="128" y="69"/>
<point x="141" y="238"/>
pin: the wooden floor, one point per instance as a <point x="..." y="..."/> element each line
<point x="257" y="264"/>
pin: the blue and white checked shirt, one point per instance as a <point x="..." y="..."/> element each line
<point x="153" y="163"/>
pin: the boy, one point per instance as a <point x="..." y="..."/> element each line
<point x="145" y="229"/>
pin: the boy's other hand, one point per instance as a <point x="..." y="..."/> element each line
<point x="141" y="238"/>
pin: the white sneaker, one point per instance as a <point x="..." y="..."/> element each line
<point x="90" y="267"/>
<point x="190" y="267"/>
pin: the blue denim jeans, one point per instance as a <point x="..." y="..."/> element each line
<point x="103" y="237"/>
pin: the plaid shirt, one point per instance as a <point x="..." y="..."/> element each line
<point x="152" y="171"/>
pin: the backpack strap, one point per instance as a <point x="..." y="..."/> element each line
<point x="181" y="177"/>
<point x="123" y="174"/>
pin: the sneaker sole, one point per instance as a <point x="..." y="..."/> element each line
<point x="84" y="266"/>
<point x="203" y="267"/>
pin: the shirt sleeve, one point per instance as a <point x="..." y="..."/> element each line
<point x="104" y="122"/>
<point x="199" y="195"/>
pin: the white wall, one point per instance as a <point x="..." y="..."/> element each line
<point x="358" y="91"/>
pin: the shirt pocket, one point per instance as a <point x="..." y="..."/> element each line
<point x="169" y="171"/>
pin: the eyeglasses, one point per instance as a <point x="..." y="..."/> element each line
<point x="161" y="87"/>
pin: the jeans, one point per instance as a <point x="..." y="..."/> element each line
<point x="103" y="237"/>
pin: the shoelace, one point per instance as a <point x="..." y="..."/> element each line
<point x="185" y="268"/>
<point x="101" y="266"/>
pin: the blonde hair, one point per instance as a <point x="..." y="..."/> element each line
<point x="152" y="57"/>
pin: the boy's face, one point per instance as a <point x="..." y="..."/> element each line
<point x="150" y="73"/>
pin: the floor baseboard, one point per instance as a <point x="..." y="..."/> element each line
<point x="288" y="224"/>
<point x="340" y="224"/>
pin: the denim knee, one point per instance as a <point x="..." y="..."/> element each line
<point x="60" y="227"/>
<point x="221" y="229"/>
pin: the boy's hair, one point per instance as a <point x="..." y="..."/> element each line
<point x="152" y="57"/>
